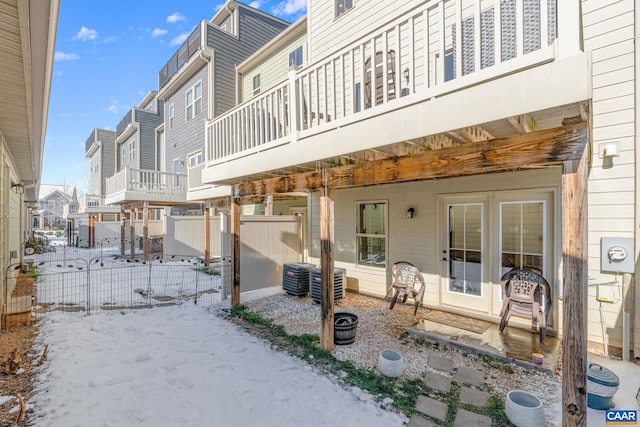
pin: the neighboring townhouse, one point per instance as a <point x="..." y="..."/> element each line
<point x="137" y="153"/>
<point x="198" y="83"/>
<point x="55" y="202"/>
<point x="100" y="150"/>
<point x="468" y="137"/>
<point x="26" y="63"/>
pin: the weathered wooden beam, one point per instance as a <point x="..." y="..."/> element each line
<point x="551" y="146"/>
<point x="220" y="202"/>
<point x="288" y="184"/>
<point x="326" y="265"/>
<point x="532" y="149"/>
<point x="235" y="252"/>
<point x="574" y="260"/>
<point x="524" y="123"/>
<point x="471" y="134"/>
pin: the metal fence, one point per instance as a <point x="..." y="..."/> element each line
<point x="84" y="280"/>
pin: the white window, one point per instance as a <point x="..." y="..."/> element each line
<point x="195" y="159"/>
<point x="132" y="150"/>
<point x="193" y="101"/>
<point x="295" y="58"/>
<point x="256" y="84"/>
<point x="342" y="6"/>
<point x="197" y="95"/>
<point x="171" y="116"/>
<point x="522" y="235"/>
<point x="371" y="233"/>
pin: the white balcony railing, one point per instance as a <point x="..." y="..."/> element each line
<point x="149" y="182"/>
<point x="437" y="48"/>
<point x="95" y="203"/>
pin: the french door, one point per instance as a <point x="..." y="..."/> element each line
<point x="485" y="236"/>
<point x="464" y="256"/>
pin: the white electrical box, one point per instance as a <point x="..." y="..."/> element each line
<point x="617" y="254"/>
<point x="606" y="292"/>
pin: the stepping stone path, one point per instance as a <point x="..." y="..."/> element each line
<point x="466" y="375"/>
<point x="438" y="382"/>
<point x="432" y="410"/>
<point x="465" y="418"/>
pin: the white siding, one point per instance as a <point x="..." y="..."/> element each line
<point x="365" y="16"/>
<point x="608" y="35"/>
<point x="273" y="70"/>
<point x="415" y="240"/>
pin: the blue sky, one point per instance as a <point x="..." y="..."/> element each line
<point x="107" y="57"/>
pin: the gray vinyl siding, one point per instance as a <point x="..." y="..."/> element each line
<point x="254" y="31"/>
<point x="148" y="122"/>
<point x="108" y="161"/>
<point x="107" y="139"/>
<point x="185" y="137"/>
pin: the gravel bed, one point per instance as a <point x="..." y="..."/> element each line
<point x="380" y="328"/>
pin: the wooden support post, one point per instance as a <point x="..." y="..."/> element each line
<point x="574" y="260"/>
<point x="235" y="252"/>
<point x="133" y="213"/>
<point x="145" y="231"/>
<point x="93" y="231"/>
<point x="326" y="264"/>
<point x="207" y="236"/>
<point x="123" y="218"/>
<point x="89" y="231"/>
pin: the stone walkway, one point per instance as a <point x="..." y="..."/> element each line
<point x="454" y="394"/>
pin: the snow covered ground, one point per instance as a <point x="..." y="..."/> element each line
<point x="169" y="366"/>
<point x="182" y="366"/>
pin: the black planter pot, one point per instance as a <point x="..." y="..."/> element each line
<point x="344" y="328"/>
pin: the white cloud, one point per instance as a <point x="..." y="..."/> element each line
<point x="179" y="40"/>
<point x="175" y="17"/>
<point x="290" y="7"/>
<point x="86" y="34"/>
<point x="61" y="56"/>
<point x="114" y="107"/>
<point x="255" y="4"/>
<point x="111" y="39"/>
<point x="157" y="32"/>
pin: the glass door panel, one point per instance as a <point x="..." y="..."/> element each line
<point x="464" y="249"/>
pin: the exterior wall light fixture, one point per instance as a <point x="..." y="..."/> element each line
<point x="410" y="213"/>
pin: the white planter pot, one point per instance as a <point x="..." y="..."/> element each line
<point x="524" y="409"/>
<point x="390" y="363"/>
